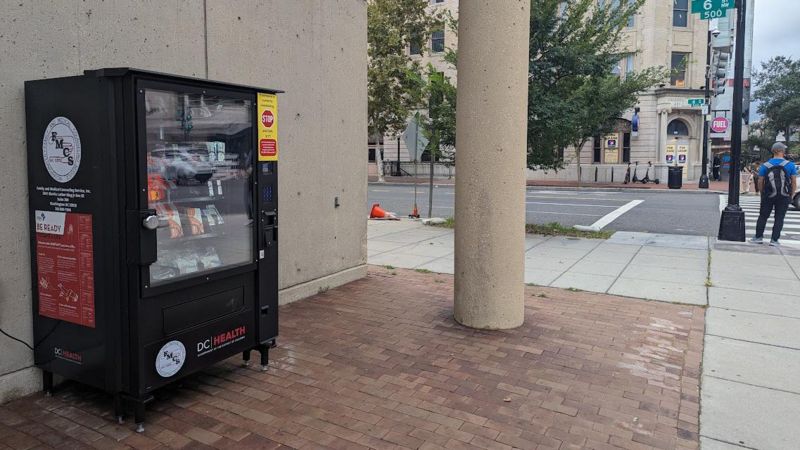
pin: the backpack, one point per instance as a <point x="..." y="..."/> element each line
<point x="776" y="182"/>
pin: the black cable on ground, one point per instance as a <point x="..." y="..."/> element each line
<point x="16" y="339"/>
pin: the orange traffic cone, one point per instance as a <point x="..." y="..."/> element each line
<point x="378" y="213"/>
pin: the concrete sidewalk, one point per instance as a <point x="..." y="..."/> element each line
<point x="751" y="360"/>
<point x="655" y="267"/>
<point x="751" y="363"/>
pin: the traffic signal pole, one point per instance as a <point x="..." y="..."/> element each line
<point x="704" y="175"/>
<point x="731" y="225"/>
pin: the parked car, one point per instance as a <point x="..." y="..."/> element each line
<point x="184" y="165"/>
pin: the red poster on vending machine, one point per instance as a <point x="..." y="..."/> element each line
<point x="65" y="266"/>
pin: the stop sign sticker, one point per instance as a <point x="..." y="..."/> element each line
<point x="719" y="125"/>
<point x="267" y="118"/>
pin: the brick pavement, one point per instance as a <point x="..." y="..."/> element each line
<point x="380" y="363"/>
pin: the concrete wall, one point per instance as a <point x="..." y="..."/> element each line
<point x="315" y="50"/>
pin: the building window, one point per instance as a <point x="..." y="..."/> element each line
<point x="437" y="41"/>
<point x="678" y="68"/>
<point x="596" y="157"/>
<point x="626" y="147"/>
<point x="414" y="47"/>
<point x="438" y="1"/>
<point x="631" y="22"/>
<point x="680" y="13"/>
<point x="628" y="64"/>
<point x="677" y="128"/>
<point x="371" y="154"/>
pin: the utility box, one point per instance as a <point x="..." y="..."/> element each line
<point x="154" y="227"/>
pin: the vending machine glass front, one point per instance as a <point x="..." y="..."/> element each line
<point x="199" y="181"/>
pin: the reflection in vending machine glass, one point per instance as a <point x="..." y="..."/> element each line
<point x="199" y="169"/>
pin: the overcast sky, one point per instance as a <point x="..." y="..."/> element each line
<point x="776" y="31"/>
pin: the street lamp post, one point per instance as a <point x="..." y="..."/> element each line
<point x="731" y="225"/>
<point x="704" y="176"/>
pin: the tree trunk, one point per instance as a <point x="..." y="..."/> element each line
<point x="578" y="158"/>
<point x="379" y="162"/>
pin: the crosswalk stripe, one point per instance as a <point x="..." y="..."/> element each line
<point x="791" y="223"/>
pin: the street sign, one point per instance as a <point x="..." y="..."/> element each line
<point x="697" y="101"/>
<point x="720" y="125"/>
<point x="699" y="6"/>
<point x="712" y="9"/>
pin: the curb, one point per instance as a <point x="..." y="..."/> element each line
<point x="571" y="188"/>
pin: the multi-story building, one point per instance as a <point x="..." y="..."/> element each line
<point x="433" y="52"/>
<point x="668" y="130"/>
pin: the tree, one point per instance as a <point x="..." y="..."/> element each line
<point x="759" y="142"/>
<point x="573" y="93"/>
<point x="395" y="86"/>
<point x="440" y="124"/>
<point x="778" y="94"/>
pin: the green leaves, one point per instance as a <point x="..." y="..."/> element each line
<point x="572" y="92"/>
<point x="395" y="84"/>
<point x="778" y="94"/>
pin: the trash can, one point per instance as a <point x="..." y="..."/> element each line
<point x="675" y="177"/>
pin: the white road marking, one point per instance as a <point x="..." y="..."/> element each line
<point x="564" y="213"/>
<point x="610" y="217"/>
<point x="751" y="206"/>
<point x="594" y="199"/>
<point x="570" y="204"/>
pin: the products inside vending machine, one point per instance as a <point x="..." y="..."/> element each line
<point x="199" y="172"/>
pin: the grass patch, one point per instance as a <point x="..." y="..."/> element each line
<point x="388" y="267"/>
<point x="556" y="229"/>
<point x="448" y="223"/>
<point x="549" y="229"/>
<point x="422" y="270"/>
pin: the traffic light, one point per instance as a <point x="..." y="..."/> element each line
<point x="721" y="72"/>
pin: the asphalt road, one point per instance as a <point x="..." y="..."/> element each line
<point x="691" y="213"/>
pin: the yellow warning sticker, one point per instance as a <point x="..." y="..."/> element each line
<point x="267" y="127"/>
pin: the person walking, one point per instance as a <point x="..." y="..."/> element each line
<point x="777" y="179"/>
<point x="716" y="165"/>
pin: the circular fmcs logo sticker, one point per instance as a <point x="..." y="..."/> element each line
<point x="170" y="358"/>
<point x="61" y="149"/>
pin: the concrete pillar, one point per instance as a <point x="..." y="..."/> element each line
<point x="490" y="184"/>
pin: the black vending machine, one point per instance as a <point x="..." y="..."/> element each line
<point x="154" y="227"/>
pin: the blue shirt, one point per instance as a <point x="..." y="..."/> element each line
<point x="790" y="168"/>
